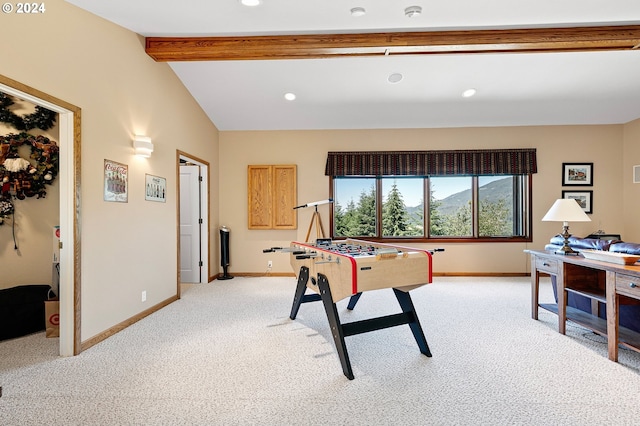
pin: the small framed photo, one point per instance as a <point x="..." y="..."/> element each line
<point x="583" y="198"/>
<point x="116" y="179"/>
<point x="577" y="174"/>
<point x="155" y="188"/>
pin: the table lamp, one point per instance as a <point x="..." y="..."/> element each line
<point x="566" y="210"/>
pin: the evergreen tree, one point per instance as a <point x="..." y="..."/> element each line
<point x="495" y="218"/>
<point x="395" y="219"/>
<point x="350" y="223"/>
<point x="437" y="223"/>
<point x="459" y="224"/>
<point x="365" y="215"/>
<point x="416" y="221"/>
<point x="338" y="220"/>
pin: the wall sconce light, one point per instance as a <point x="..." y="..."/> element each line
<point x="142" y="146"/>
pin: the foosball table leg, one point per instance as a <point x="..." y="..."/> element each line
<point x="301" y="287"/>
<point x="406" y="304"/>
<point x="300" y="298"/>
<point x="336" y="327"/>
<point x="353" y="300"/>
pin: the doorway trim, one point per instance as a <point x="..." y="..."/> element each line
<point x="69" y="175"/>
<point x="205" y="247"/>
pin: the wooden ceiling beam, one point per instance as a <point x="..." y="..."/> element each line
<point x="309" y="46"/>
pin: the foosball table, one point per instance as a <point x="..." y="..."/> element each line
<point x="335" y="270"/>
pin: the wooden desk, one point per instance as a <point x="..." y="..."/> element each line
<point x="602" y="282"/>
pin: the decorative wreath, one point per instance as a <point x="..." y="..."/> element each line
<point x="42" y="118"/>
<point x="22" y="177"/>
<point x="25" y="177"/>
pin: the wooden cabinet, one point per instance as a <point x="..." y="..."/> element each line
<point x="272" y="196"/>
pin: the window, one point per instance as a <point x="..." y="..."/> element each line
<point x="450" y="207"/>
<point x="355" y="212"/>
<point x="483" y="208"/>
<point x="402" y="207"/>
<point x="461" y="195"/>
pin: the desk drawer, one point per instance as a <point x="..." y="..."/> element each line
<point x="628" y="285"/>
<point x="549" y="266"/>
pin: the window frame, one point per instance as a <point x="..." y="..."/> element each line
<point x="526" y="215"/>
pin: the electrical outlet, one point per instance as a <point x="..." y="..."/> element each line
<point x="269" y="264"/>
<point x="144" y="296"/>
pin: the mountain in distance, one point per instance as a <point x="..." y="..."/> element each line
<point x="493" y="191"/>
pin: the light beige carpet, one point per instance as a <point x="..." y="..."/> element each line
<point x="227" y="354"/>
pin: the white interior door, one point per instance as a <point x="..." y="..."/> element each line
<point x="190" y="224"/>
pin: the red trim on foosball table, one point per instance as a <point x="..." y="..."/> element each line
<point x="354" y="274"/>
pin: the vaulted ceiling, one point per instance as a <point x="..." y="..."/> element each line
<point x="531" y="62"/>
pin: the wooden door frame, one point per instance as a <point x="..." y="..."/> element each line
<point x="69" y="119"/>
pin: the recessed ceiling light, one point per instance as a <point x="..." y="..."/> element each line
<point x="394" y="78"/>
<point x="469" y="93"/>
<point x="358" y="11"/>
<point x="251" y="2"/>
<point x="290" y="96"/>
<point x="412" y="11"/>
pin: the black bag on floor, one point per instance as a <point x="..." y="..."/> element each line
<point x="22" y="310"/>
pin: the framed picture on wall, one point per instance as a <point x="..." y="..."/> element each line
<point x="116" y="181"/>
<point x="584" y="198"/>
<point x="155" y="188"/>
<point x="577" y="174"/>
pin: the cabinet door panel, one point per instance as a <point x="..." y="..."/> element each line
<point x="284" y="197"/>
<point x="259" y="197"/>
<point x="272" y="195"/>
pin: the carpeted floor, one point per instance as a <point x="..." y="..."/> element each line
<point x="227" y="354"/>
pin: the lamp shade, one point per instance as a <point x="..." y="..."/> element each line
<point x="566" y="210"/>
